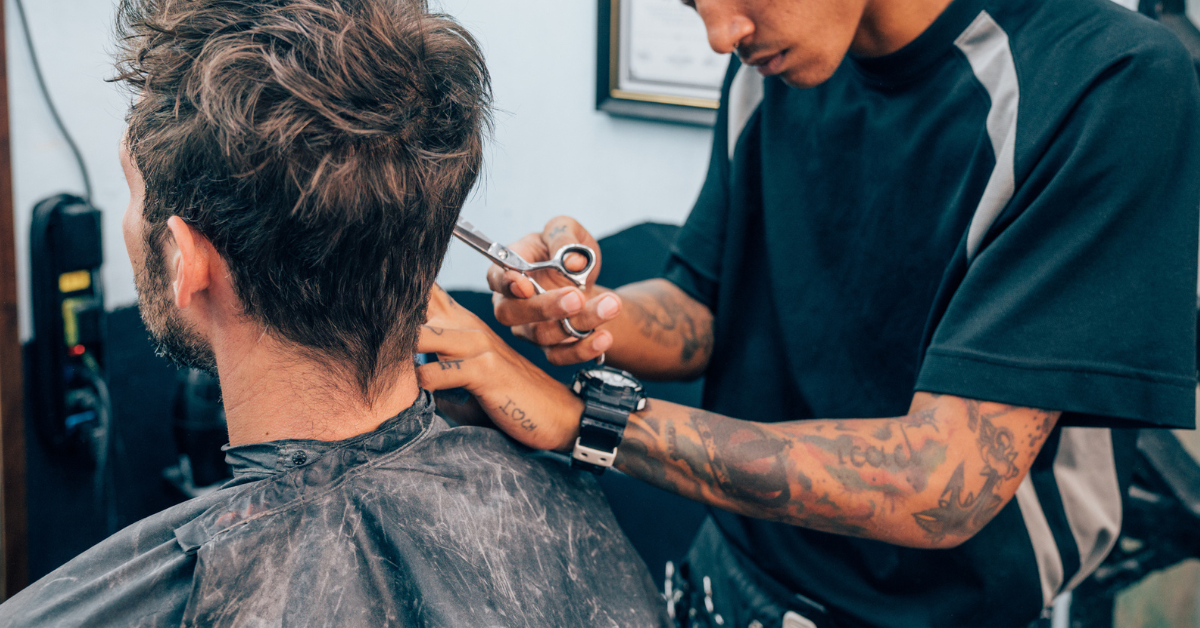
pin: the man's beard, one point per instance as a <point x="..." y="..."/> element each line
<point x="173" y="338"/>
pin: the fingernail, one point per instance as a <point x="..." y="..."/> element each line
<point x="607" y="307"/>
<point x="602" y="343"/>
<point x="571" y="303"/>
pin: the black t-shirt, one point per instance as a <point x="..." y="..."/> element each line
<point x="1006" y="209"/>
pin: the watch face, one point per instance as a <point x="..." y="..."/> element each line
<point x="614" y="378"/>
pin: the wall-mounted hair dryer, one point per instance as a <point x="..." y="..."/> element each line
<point x="70" y="403"/>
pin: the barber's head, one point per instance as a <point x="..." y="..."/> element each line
<point x="801" y="41"/>
<point x="319" y="150"/>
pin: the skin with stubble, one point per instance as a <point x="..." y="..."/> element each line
<point x="931" y="478"/>
<point x="173" y="338"/>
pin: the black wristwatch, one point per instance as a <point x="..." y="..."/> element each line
<point x="609" y="396"/>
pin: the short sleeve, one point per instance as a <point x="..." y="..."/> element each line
<point x="1083" y="296"/>
<point x="695" y="261"/>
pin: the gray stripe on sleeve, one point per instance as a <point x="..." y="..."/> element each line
<point x="986" y="47"/>
<point x="1045" y="550"/>
<point x="1085" y="477"/>
<point x="1084" y="467"/>
<point x="1086" y="474"/>
<point x="745" y="94"/>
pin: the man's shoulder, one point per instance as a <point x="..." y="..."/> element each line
<point x="459" y="526"/>
<point x="459" y="451"/>
<point x="479" y="475"/>
<point x="471" y="471"/>
<point x="1055" y="38"/>
<point x="137" y="577"/>
<point x="1089" y="63"/>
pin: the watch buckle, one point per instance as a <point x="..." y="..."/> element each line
<point x="597" y="457"/>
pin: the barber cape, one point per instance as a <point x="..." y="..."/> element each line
<point x="413" y="524"/>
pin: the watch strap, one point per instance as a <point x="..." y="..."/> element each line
<point x="602" y="426"/>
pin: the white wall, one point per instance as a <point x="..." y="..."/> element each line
<point x="553" y="153"/>
<point x="73" y="39"/>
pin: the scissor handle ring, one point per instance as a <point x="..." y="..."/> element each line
<point x="580" y="277"/>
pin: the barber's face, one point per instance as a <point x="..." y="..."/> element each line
<point x="173" y="337"/>
<point x="801" y="41"/>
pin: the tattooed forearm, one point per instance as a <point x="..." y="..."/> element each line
<point x="640" y="463"/>
<point x="664" y="315"/>
<point x="510" y="410"/>
<point x="661" y="333"/>
<point x="747" y="463"/>
<point x="728" y="463"/>
<point x="995" y="443"/>
<point x="959" y="512"/>
<point x="931" y="478"/>
<point x="902" y="461"/>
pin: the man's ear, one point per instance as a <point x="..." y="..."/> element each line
<point x="189" y="261"/>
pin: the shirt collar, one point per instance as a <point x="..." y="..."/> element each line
<point x="909" y="61"/>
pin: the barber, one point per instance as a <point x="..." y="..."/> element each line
<point x="941" y="248"/>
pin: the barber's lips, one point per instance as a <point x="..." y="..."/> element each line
<point x="770" y="66"/>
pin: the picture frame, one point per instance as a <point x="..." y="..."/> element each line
<point x="653" y="62"/>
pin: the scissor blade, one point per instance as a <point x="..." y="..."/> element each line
<point x="472" y="236"/>
<point x="493" y="250"/>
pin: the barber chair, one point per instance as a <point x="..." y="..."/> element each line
<point x="200" y="430"/>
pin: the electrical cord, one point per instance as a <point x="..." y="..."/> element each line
<point x="105" y="500"/>
<point x="104" y="475"/>
<point x="41" y="81"/>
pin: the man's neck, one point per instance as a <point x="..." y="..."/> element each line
<point x="889" y="25"/>
<point x="274" y="394"/>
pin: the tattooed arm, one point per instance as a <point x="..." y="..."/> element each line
<point x="929" y="479"/>
<point x="661" y="332"/>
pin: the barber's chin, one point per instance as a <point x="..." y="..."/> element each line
<point x="808" y="75"/>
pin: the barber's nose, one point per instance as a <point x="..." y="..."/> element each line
<point x="726" y="28"/>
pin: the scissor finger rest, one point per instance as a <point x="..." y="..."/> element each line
<point x="559" y="263"/>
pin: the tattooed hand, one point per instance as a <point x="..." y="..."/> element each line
<point x="651" y="329"/>
<point x="534" y="317"/>
<point x="518" y="397"/>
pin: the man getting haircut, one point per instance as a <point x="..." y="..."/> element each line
<point x="296" y="168"/>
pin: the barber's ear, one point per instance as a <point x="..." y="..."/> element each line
<point x="189" y="261"/>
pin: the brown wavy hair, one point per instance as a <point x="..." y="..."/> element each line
<point x="324" y="147"/>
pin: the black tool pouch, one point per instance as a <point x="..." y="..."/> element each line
<point x="716" y="587"/>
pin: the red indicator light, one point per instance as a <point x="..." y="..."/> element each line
<point x="78" y="350"/>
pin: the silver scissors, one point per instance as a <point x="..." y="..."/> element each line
<point x="507" y="258"/>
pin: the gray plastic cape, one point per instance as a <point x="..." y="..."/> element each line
<point x="413" y="524"/>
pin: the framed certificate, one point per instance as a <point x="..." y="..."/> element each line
<point x="653" y="61"/>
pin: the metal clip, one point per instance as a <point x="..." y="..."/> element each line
<point x="708" y="602"/>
